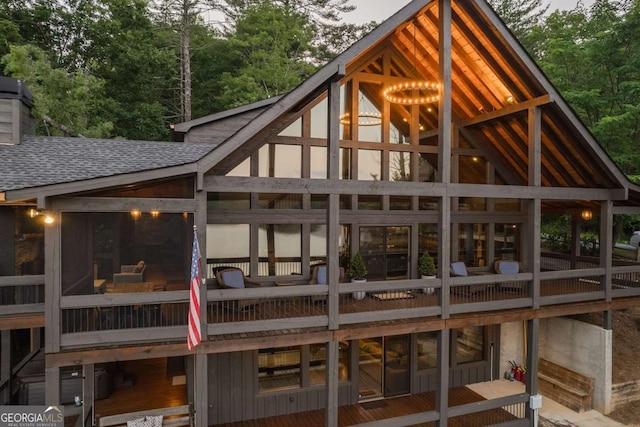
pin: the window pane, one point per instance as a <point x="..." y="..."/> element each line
<point x="319" y="120"/>
<point x="428" y="203"/>
<point x="279" y="201"/>
<point x="228" y="245"/>
<point x="318" y="201"/>
<point x="279" y="249"/>
<point x="428" y="240"/>
<point x="294" y="129"/>
<point x="507" y="242"/>
<point x="507" y="205"/>
<point x="243" y="169"/>
<point x="399" y="166"/>
<point x="427" y="350"/>
<point x="369" y="165"/>
<point x="472" y="204"/>
<point x="280" y="161"/>
<point x="369" y="117"/>
<point x="228" y="201"/>
<point x="278" y="368"/>
<point x="472" y="170"/>
<point x="318" y="363"/>
<point x="369" y="203"/>
<point x="472" y="244"/>
<point x="400" y="203"/>
<point x="318" y="163"/>
<point x="470" y="344"/>
<point x="318" y="242"/>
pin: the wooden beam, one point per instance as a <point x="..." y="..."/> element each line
<point x="506" y="111"/>
<point x="100" y="183"/>
<point x="121" y="204"/>
<point x="525" y="192"/>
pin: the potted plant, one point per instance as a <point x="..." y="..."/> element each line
<point x="427" y="269"/>
<point x="357" y="273"/>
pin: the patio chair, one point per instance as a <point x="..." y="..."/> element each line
<point x="130" y="273"/>
<point x="509" y="267"/>
<point x="459" y="269"/>
<point x="319" y="277"/>
<point x="234" y="278"/>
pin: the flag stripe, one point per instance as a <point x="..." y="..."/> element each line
<point x="193" y="335"/>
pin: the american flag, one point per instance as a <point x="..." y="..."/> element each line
<point x="193" y="337"/>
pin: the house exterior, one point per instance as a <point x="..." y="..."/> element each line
<point x="434" y="133"/>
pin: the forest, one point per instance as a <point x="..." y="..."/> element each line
<point x="131" y="68"/>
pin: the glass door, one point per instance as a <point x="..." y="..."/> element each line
<point x="397" y="378"/>
<point x="385" y="251"/>
<point x="384" y="367"/>
<point x="370" y="368"/>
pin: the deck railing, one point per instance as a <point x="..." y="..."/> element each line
<point x="21" y="295"/>
<point x="100" y="319"/>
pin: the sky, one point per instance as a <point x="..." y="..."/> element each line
<point x="379" y="10"/>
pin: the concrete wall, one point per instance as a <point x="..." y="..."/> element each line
<point x="511" y="345"/>
<point x="584" y="348"/>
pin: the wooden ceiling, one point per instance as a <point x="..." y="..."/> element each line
<point x="493" y="88"/>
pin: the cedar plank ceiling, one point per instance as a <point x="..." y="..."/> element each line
<point x="487" y="76"/>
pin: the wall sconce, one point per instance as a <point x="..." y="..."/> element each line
<point x="155" y="214"/>
<point x="586" y="215"/>
<point x="48" y="218"/>
<point x="136" y="214"/>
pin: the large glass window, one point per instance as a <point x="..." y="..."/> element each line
<point x="279" y="201"/>
<point x="318" y="169"/>
<point x="472" y="170"/>
<point x="319" y="115"/>
<point x="294" y="129"/>
<point x="279" y="249"/>
<point x="243" y="169"/>
<point x="428" y="240"/>
<point x="216" y="201"/>
<point x="369" y="116"/>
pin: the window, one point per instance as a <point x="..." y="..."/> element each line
<point x="472" y="244"/>
<point x="280" y="161"/>
<point x="278" y="368"/>
<point x="427" y="350"/>
<point x="318" y="363"/>
<point x="469" y="344"/>
<point x="279" y="249"/>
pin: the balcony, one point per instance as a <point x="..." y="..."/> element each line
<point x="161" y="314"/>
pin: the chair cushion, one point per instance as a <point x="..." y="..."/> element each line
<point x="156" y="420"/>
<point x="507" y="267"/>
<point x="321" y="274"/>
<point x="459" y="269"/>
<point x="233" y="278"/>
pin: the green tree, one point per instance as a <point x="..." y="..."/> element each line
<point x="81" y="94"/>
<point x="522" y="17"/>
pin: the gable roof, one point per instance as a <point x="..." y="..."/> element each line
<point x="495" y="84"/>
<point x="41" y="161"/>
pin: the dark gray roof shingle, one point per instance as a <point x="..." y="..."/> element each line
<point x="40" y="161"/>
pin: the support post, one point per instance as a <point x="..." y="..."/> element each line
<point x="5" y="368"/>
<point x="333" y="361"/>
<point x="442" y="381"/>
<point x="533" y="333"/>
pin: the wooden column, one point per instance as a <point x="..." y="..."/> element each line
<point x="52" y="284"/>
<point x="332" y="363"/>
<point x="534" y="210"/>
<point x="333" y="230"/>
<point x="533" y="333"/>
<point x="5" y="368"/>
<point x="200" y="365"/>
<point x="576" y="225"/>
<point x="606" y="245"/>
<point x="444" y="150"/>
<point x="88" y="392"/>
<point x="444" y="211"/>
<point x="52" y="386"/>
<point x="442" y="381"/>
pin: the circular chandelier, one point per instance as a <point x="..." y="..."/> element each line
<point x="365" y="118"/>
<point x="412" y="93"/>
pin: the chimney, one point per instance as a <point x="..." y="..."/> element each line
<point x="15" y="111"/>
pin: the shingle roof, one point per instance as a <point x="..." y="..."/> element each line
<point x="39" y="161"/>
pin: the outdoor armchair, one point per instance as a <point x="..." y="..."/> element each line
<point x="319" y="277"/>
<point x="234" y="278"/>
<point x="459" y="269"/>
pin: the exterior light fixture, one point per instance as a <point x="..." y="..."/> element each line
<point x="412" y="92"/>
<point x="155" y="214"/>
<point x="136" y="214"/>
<point x="586" y="215"/>
<point x="365" y="118"/>
<point x="47" y="217"/>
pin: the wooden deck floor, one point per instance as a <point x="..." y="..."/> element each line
<point x="154" y="387"/>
